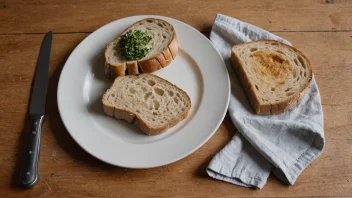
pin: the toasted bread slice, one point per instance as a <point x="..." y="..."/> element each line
<point x="148" y="101"/>
<point x="275" y="76"/>
<point x="164" y="50"/>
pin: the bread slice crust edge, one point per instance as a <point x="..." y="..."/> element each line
<point x="272" y="108"/>
<point x="120" y="113"/>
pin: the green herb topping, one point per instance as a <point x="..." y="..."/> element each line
<point x="135" y="44"/>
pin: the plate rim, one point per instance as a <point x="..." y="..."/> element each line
<point x="173" y="159"/>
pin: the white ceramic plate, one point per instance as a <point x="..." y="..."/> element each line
<point x="198" y="69"/>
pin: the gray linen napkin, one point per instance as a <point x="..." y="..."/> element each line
<point x="284" y="144"/>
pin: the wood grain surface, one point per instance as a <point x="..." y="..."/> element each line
<point x="18" y="16"/>
<point x="322" y="29"/>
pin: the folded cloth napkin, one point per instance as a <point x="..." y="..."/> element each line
<point x="284" y="144"/>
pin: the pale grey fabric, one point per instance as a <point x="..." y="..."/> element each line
<point x="284" y="144"/>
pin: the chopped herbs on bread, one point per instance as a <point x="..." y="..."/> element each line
<point x="135" y="44"/>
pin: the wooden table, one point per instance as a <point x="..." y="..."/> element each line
<point x="322" y="29"/>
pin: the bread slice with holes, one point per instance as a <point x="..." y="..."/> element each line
<point x="275" y="76"/>
<point x="148" y="101"/>
<point x="164" y="50"/>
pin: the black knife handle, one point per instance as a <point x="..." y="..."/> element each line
<point x="29" y="172"/>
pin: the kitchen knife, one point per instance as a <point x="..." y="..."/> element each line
<point x="29" y="171"/>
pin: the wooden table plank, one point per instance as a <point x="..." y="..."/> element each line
<point x="32" y="16"/>
<point x="67" y="170"/>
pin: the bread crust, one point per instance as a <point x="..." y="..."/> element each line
<point x="164" y="58"/>
<point x="167" y="57"/>
<point x="173" y="46"/>
<point x="272" y="108"/>
<point x="132" y="118"/>
<point x="114" y="71"/>
<point x="132" y="68"/>
<point x="148" y="65"/>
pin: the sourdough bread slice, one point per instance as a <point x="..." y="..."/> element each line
<point x="164" y="49"/>
<point x="275" y="76"/>
<point x="148" y="101"/>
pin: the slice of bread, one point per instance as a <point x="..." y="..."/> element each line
<point x="164" y="50"/>
<point x="148" y="101"/>
<point x="275" y="76"/>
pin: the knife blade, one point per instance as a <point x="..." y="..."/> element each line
<point x="29" y="171"/>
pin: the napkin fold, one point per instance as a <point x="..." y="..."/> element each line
<point x="283" y="144"/>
